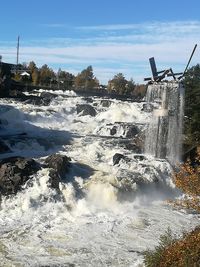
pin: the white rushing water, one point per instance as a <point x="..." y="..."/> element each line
<point x="109" y="214"/>
<point x="164" y="135"/>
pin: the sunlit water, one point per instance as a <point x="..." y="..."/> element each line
<point x="105" y="217"/>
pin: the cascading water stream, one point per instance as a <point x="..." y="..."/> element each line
<point x="164" y="133"/>
<point x="106" y="214"/>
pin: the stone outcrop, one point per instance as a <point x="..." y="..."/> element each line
<point x="59" y="166"/>
<point x="132" y="131"/>
<point x="15" y="172"/>
<point x="105" y="103"/>
<point x="117" y="157"/>
<point x="85" y="109"/>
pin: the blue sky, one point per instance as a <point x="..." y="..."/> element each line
<point x="113" y="36"/>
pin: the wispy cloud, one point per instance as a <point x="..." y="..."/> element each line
<point x="115" y="48"/>
<point x="174" y="26"/>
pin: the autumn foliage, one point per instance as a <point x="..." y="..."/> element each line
<point x="187" y="179"/>
<point x="173" y="252"/>
<point x="184" y="252"/>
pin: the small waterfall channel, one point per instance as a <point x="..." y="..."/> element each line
<point x="164" y="133"/>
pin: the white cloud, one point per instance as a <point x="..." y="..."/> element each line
<point x="174" y="26"/>
<point x="113" y="47"/>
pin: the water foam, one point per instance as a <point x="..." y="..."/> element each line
<point x="89" y="225"/>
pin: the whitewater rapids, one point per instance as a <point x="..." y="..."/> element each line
<point x="104" y="218"/>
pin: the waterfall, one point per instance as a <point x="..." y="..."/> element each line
<point x="164" y="133"/>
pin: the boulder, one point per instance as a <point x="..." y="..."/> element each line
<point x="88" y="99"/>
<point x="133" y="147"/>
<point x="113" y="130"/>
<point x="15" y="172"/>
<point x="132" y="131"/>
<point x="47" y="95"/>
<point x="37" y="100"/>
<point x="86" y="109"/>
<point x="106" y="103"/>
<point x="59" y="166"/>
<point x="140" y="157"/>
<point x="147" y="107"/>
<point x="117" y="157"/>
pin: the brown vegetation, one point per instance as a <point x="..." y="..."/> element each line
<point x="172" y="252"/>
<point x="187" y="179"/>
<point x="184" y="252"/>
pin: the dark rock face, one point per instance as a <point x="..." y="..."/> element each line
<point x="14" y="172"/>
<point x="129" y="130"/>
<point x="117" y="157"/>
<point x="106" y="103"/>
<point x="140" y="157"/>
<point x="86" y="109"/>
<point x="113" y="130"/>
<point x="147" y="107"/>
<point x="59" y="166"/>
<point x="3" y="147"/>
<point x="133" y="147"/>
<point x="47" y="95"/>
<point x="132" y="131"/>
<point x="36" y="100"/>
<point x="88" y="99"/>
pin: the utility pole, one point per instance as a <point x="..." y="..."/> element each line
<point x="17" y="50"/>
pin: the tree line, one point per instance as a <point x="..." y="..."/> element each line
<point x="85" y="80"/>
<point x="192" y="105"/>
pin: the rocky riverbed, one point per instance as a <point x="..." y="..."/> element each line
<point x="76" y="187"/>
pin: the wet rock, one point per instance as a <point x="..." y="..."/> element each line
<point x="59" y="166"/>
<point x="15" y="172"/>
<point x="117" y="157"/>
<point x="88" y="99"/>
<point x="3" y="147"/>
<point x="47" y="95"/>
<point x="105" y="103"/>
<point x="113" y="130"/>
<point x="133" y="147"/>
<point x="43" y="100"/>
<point x="37" y="100"/>
<point x="132" y="131"/>
<point x="127" y="130"/>
<point x="147" y="107"/>
<point x="86" y="109"/>
<point x="140" y="157"/>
